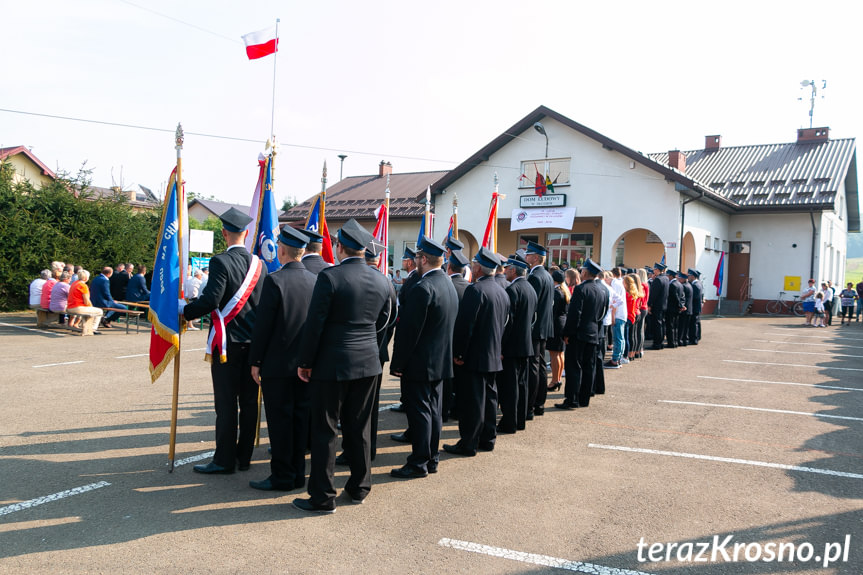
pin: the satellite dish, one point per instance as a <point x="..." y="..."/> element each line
<point x="805" y="83"/>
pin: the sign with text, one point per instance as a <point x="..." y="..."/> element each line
<point x="201" y="241"/>
<point x="528" y="218"/>
<point x="199" y="263"/>
<point x="547" y="201"/>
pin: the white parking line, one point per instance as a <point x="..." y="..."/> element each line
<point x="829" y="333"/>
<point x="53" y="497"/>
<point x="128" y="356"/>
<point x="193" y="458"/>
<point x="818" y="385"/>
<point x="800" y="352"/>
<point x="534" y="559"/>
<point x="62" y="363"/>
<point x="792" y="365"/>
<point x="832" y="344"/>
<point x="31" y="329"/>
<point x="729" y="460"/>
<point x="826" y="415"/>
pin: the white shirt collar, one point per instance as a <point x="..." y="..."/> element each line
<point x="236" y="246"/>
<point x="432" y="270"/>
<point x="533" y="269"/>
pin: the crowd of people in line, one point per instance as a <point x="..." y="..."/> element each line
<point x="820" y="306"/>
<point x="469" y="341"/>
<point x="63" y="289"/>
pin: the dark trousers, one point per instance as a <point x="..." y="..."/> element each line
<point x="288" y="404"/>
<point x="477" y="410"/>
<point x="512" y="393"/>
<point x="694" y="331"/>
<point x="580" y="361"/>
<point x="683" y="329"/>
<point x="422" y="401"/>
<point x="671" y="328"/>
<point x="352" y="399"/>
<point x="376" y="413"/>
<point x="657" y="320"/>
<point x="598" y="371"/>
<point x="537" y="377"/>
<point x="112" y="315"/>
<point x="828" y="310"/>
<point x="639" y="331"/>
<point x="233" y="388"/>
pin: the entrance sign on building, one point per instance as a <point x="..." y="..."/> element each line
<point x="201" y="241"/>
<point x="792" y="283"/>
<point x="528" y="218"/>
<point x="671" y="245"/>
<point x="549" y="201"/>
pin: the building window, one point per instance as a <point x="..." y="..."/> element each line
<point x="618" y="254"/>
<point x="558" y="171"/>
<point x="573" y="249"/>
<point x="707" y="244"/>
<point x="524" y="238"/>
<point x="717" y="244"/>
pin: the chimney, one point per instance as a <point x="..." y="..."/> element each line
<point x="385" y="169"/>
<point x="811" y="135"/>
<point x="712" y="142"/>
<point x="677" y="160"/>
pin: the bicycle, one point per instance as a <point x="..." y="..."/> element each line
<point x="781" y="305"/>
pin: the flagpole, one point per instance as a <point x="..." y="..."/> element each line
<point x="428" y="212"/>
<point x="496" y="200"/>
<point x="176" y="393"/>
<point x="387" y="222"/>
<point x="455" y="216"/>
<point x="273" y="110"/>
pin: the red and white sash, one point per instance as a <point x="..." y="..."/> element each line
<point x="221" y="317"/>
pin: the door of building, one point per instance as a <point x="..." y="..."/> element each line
<point x="738" y="271"/>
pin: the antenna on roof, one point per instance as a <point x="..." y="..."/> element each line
<point x="811" y="84"/>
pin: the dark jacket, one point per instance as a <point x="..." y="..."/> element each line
<point x="409" y="282"/>
<point x="100" y="292"/>
<point x="697" y="297"/>
<point x="657" y="301"/>
<point x="227" y="272"/>
<point x="385" y="335"/>
<point x="479" y="326"/>
<point x="281" y="315"/>
<point x="422" y="350"/>
<point x="517" y="340"/>
<point x="350" y="302"/>
<point x="314" y="263"/>
<point x="541" y="281"/>
<point x="119" y="281"/>
<point x="501" y="280"/>
<point x="687" y="298"/>
<point x="558" y="309"/>
<point x="587" y="308"/>
<point x="675" y="297"/>
<point x="460" y="284"/>
<point x="137" y="289"/>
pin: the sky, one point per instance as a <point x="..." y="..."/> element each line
<point x="422" y="85"/>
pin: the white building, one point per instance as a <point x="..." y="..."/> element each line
<point x="781" y="212"/>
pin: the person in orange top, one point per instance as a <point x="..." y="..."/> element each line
<point x="633" y="308"/>
<point x="79" y="300"/>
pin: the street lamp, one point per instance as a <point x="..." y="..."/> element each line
<point x="342" y="165"/>
<point x="541" y="129"/>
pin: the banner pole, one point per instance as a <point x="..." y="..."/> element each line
<point x="178" y="138"/>
<point x="455" y="216"/>
<point x="273" y="110"/>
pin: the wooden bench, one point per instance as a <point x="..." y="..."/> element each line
<point x="47" y="319"/>
<point x="136" y="313"/>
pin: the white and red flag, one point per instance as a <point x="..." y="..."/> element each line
<point x="261" y="43"/>
<point x="382" y="235"/>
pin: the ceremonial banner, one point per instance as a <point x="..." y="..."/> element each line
<point x="527" y="218"/>
<point x="317" y="222"/>
<point x="489" y="238"/>
<point x="261" y="43"/>
<point x="382" y="236"/>
<point x="261" y="240"/>
<point x="719" y="275"/>
<point x="171" y="261"/>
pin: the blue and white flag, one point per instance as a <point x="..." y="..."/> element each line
<point x="265" y="218"/>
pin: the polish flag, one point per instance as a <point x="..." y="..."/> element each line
<point x="261" y="43"/>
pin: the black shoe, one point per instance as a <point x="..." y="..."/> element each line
<point x="521" y="427"/>
<point x="569" y="406"/>
<point x="409" y="472"/>
<point x="458" y="450"/>
<point x="486" y="446"/>
<point x="398" y="408"/>
<point x="268" y="485"/>
<point x="307" y="505"/>
<point x="555" y="386"/>
<point x="528" y="417"/>
<point x="432" y="467"/>
<point x="355" y="498"/>
<point x="400" y="437"/>
<point x="212" y="468"/>
<point x="539" y="410"/>
<point x="342" y="459"/>
<point x="244" y="466"/>
<point x="505" y="430"/>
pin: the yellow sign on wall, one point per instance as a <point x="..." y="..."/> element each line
<point x="792" y="283"/>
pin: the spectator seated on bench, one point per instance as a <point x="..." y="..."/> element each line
<point x="60" y="294"/>
<point x="102" y="295"/>
<point x="36" y="289"/>
<point x="137" y="289"/>
<point x="79" y="301"/>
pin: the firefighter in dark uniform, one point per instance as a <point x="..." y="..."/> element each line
<point x="674" y="308"/>
<point x="694" y="331"/>
<point x="455" y="269"/>
<point x="233" y="385"/>
<point x="657" y="302"/>
<point x="683" y="320"/>
<point x="410" y="266"/>
<point x="274" y="354"/>
<point x="312" y="259"/>
<point x="543" y="328"/>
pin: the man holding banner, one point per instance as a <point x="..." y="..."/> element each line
<point x="231" y="298"/>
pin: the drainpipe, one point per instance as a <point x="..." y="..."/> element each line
<point x="682" y="221"/>
<point x="812" y="256"/>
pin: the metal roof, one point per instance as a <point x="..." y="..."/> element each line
<point x="359" y="196"/>
<point x="791" y="174"/>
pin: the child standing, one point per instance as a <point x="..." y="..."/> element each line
<point x="847" y="298"/>
<point x="819" y="310"/>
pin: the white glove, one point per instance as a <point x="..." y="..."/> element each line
<point x="181" y="304"/>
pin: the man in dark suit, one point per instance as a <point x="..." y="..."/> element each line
<point x="232" y="322"/>
<point x="673" y="309"/>
<point x="657" y="302"/>
<point x="477" y="346"/>
<point x="274" y="356"/>
<point x="100" y="295"/>
<point x="686" y="313"/>
<point x="137" y="288"/>
<point x="455" y="269"/>
<point x="500" y="272"/>
<point x="543" y="328"/>
<point x="422" y="357"/>
<point x="412" y="278"/>
<point x="312" y="259"/>
<point x="340" y="354"/>
<point x="693" y="332"/>
<point x="582" y="334"/>
<point x="516" y="347"/>
<point x="119" y="280"/>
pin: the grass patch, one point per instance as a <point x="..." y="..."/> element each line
<point x="853" y="269"/>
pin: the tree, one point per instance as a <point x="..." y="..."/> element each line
<point x="289" y="203"/>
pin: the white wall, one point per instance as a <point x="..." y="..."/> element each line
<point x="702" y="221"/>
